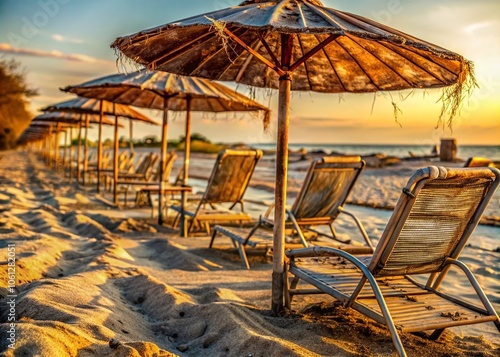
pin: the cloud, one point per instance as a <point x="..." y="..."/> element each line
<point x="473" y="28"/>
<point x="60" y="38"/>
<point x="76" y="57"/>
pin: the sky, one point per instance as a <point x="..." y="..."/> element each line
<point x="67" y="42"/>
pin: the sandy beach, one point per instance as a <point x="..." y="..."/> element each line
<point x="94" y="281"/>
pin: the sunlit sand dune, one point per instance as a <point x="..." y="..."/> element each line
<point x="91" y="284"/>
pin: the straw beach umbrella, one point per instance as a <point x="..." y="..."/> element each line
<point x="102" y="107"/>
<point x="165" y="91"/>
<point x="297" y="45"/>
<point x="72" y="119"/>
<point x="48" y="132"/>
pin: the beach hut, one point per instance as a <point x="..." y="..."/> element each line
<point x="102" y="107"/>
<point x="165" y="91"/>
<point x="297" y="45"/>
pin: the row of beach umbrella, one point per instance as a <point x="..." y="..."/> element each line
<point x="297" y="45"/>
<point x="113" y="95"/>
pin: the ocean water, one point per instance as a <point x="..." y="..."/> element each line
<point x="464" y="151"/>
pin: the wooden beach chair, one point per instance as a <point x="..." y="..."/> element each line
<point x="227" y="185"/>
<point x="321" y="200"/>
<point x="143" y="171"/>
<point x="144" y="189"/>
<point x="140" y="186"/>
<point x="436" y="214"/>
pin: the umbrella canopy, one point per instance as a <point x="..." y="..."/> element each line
<point x="92" y="106"/>
<point x="297" y="45"/>
<point x="165" y="91"/>
<point x="71" y="118"/>
<point x="148" y="89"/>
<point x="332" y="51"/>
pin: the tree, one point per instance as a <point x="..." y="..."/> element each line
<point x="14" y="93"/>
<point x="195" y="137"/>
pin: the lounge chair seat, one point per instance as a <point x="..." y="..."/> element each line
<point x="431" y="224"/>
<point x="320" y="201"/>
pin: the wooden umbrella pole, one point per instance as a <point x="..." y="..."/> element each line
<point x="47" y="148"/>
<point x="131" y="136"/>
<point x="65" y="152"/>
<point x="56" y="146"/>
<point x="70" y="152"/>
<point x="280" y="196"/>
<point x="79" y="149"/>
<point x="187" y="154"/>
<point x="115" y="160"/>
<point x="164" y="151"/>
<point x="99" y="147"/>
<point x="86" y="149"/>
<point x="285" y="84"/>
<point x="51" y="147"/>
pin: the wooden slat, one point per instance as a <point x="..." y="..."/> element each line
<point x="412" y="307"/>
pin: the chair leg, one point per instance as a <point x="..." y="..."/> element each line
<point x="243" y="255"/>
<point x="334" y="235"/>
<point x="207" y="228"/>
<point x="214" y="233"/>
<point x="436" y="334"/>
<point x="176" y="220"/>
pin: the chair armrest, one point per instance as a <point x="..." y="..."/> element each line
<point x="269" y="210"/>
<point x="360" y="227"/>
<point x="316" y="251"/>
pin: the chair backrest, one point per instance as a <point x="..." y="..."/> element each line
<point x="143" y="166"/>
<point x="122" y="160"/>
<point x="150" y="168"/>
<point x="179" y="179"/>
<point x="433" y="219"/>
<point x="167" y="167"/>
<point x="129" y="164"/>
<point x="326" y="186"/>
<point x="478" y="162"/>
<point x="230" y="176"/>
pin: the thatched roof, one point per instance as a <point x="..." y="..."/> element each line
<point x="148" y="89"/>
<point x="361" y="56"/>
<point x="92" y="106"/>
<point x="365" y="56"/>
<point x="71" y="118"/>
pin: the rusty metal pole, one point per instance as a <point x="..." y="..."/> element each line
<point x="99" y="147"/>
<point x="285" y="81"/>
<point x="164" y="151"/>
<point x="187" y="154"/>
<point x="115" y="160"/>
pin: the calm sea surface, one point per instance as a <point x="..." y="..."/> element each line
<point x="464" y="151"/>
